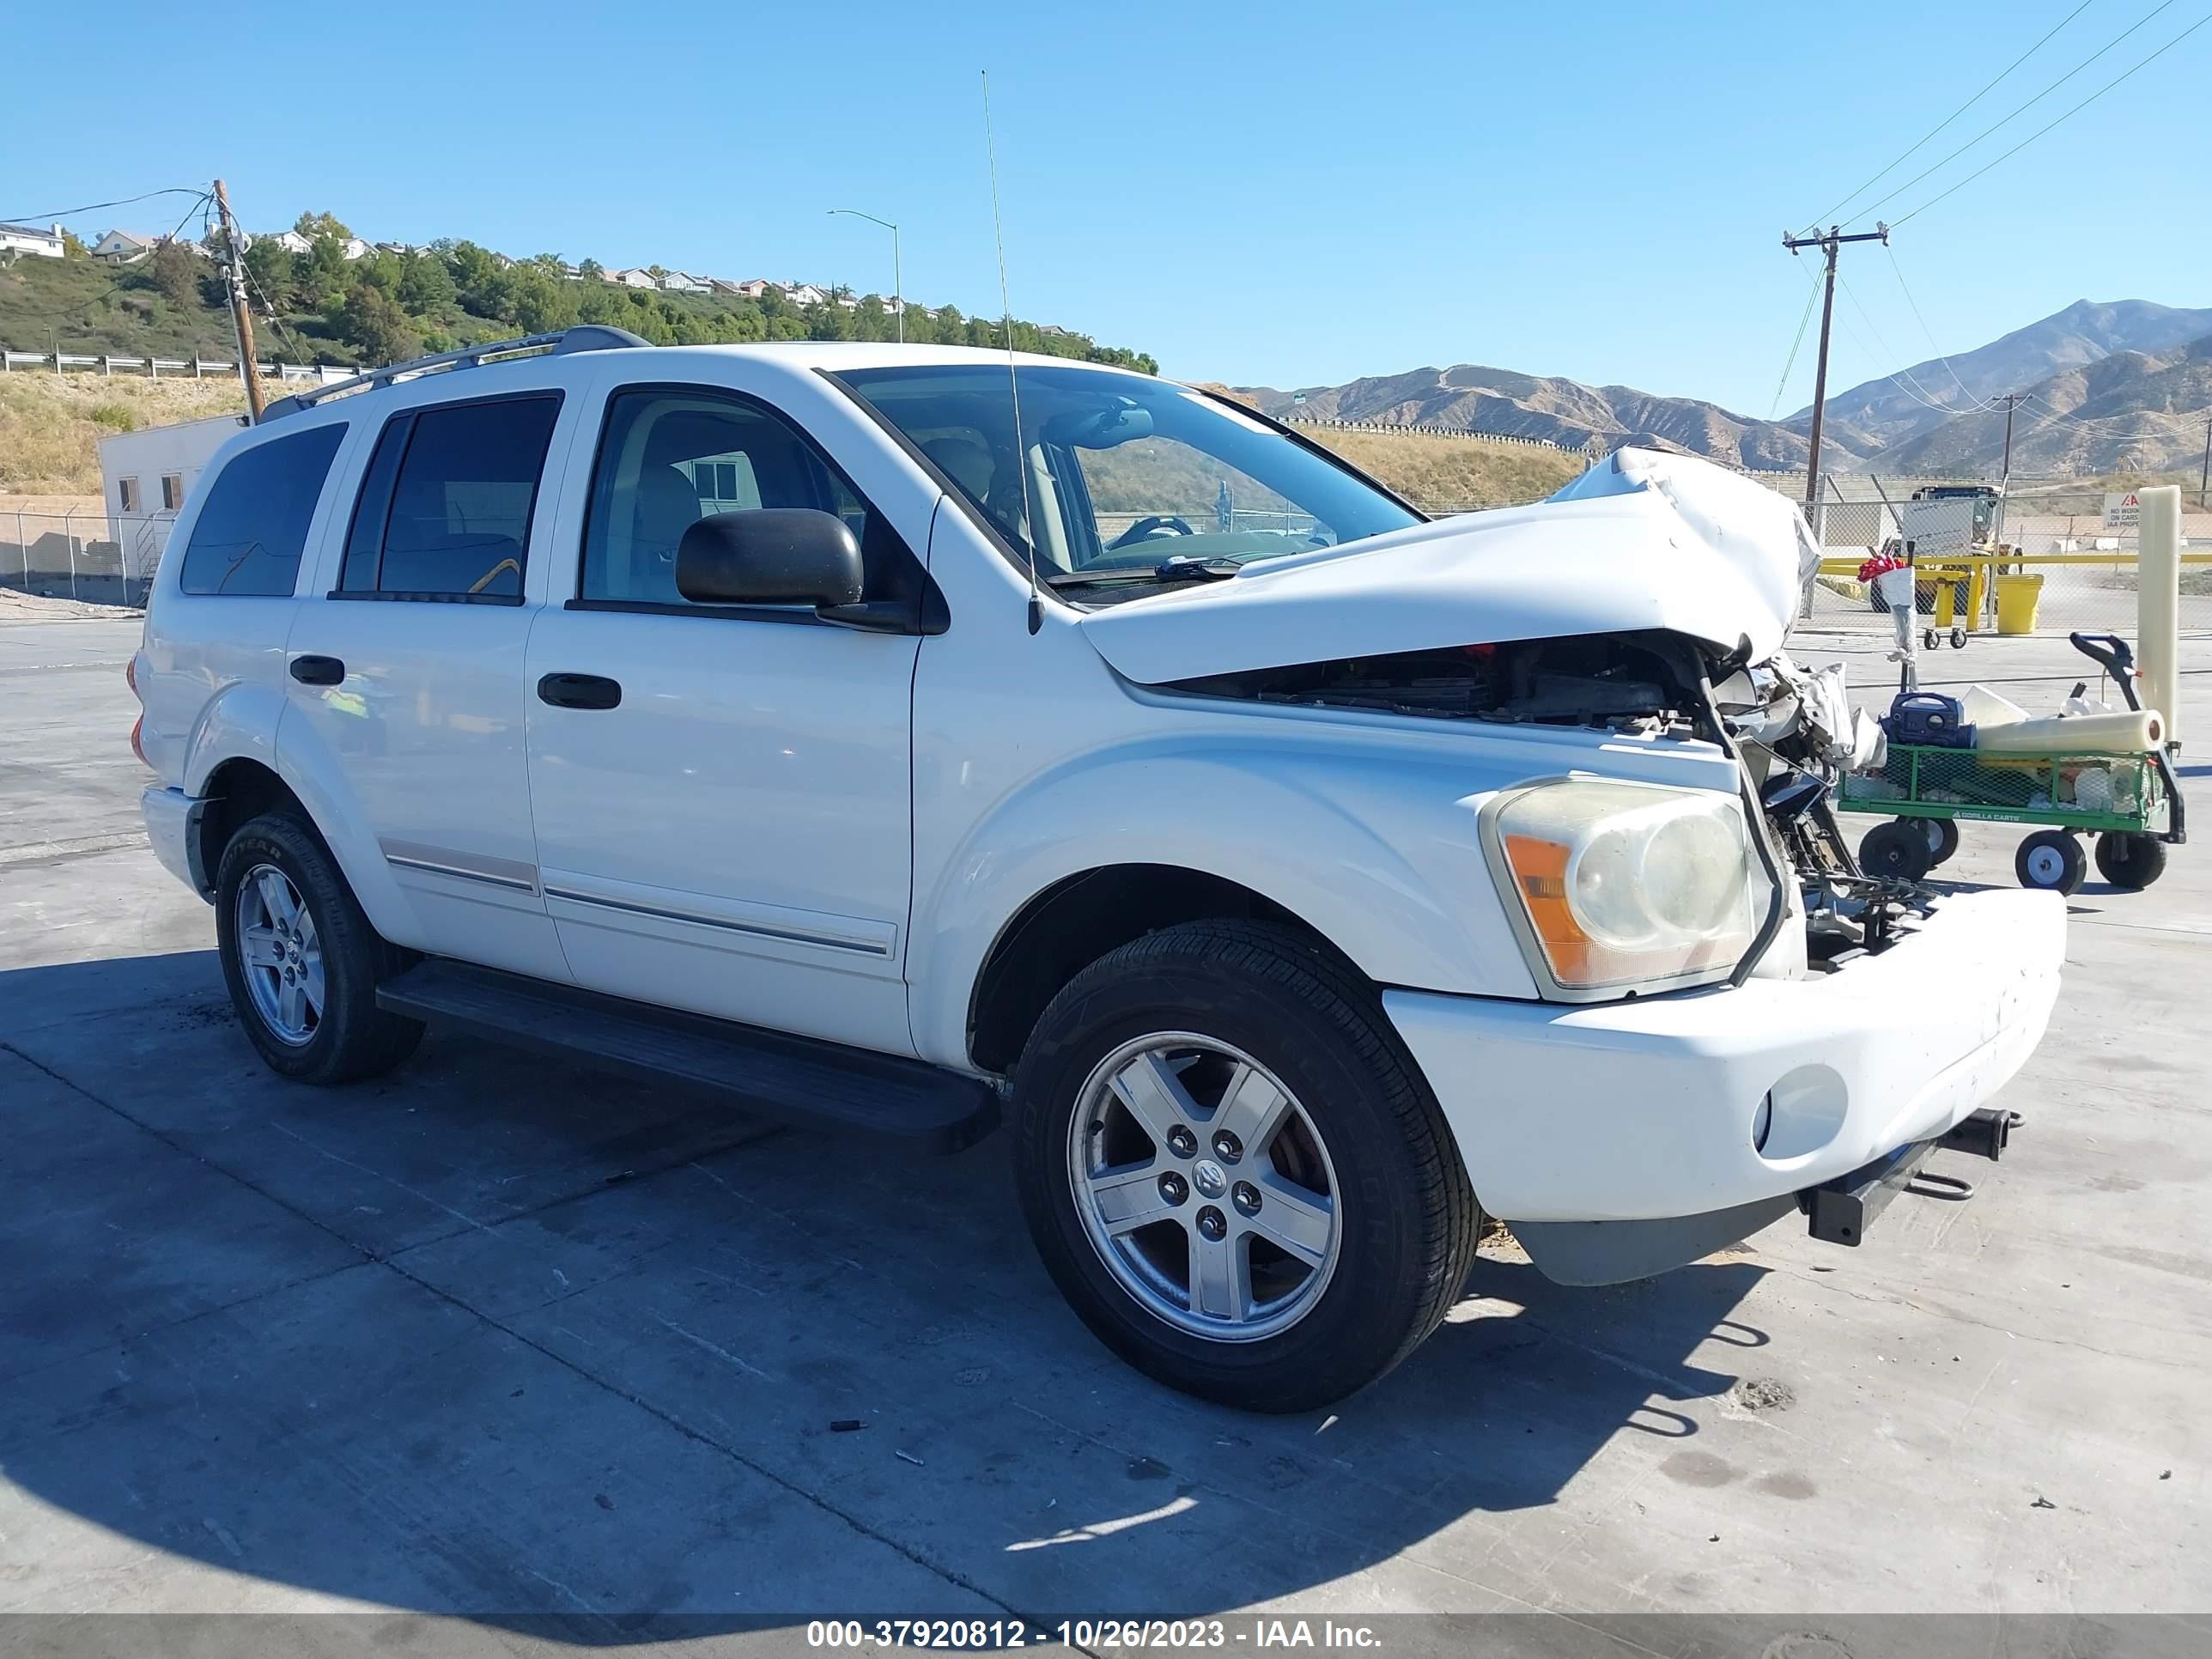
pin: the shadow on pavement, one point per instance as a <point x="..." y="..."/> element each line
<point x="493" y="1338"/>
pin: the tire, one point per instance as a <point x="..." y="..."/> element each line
<point x="1896" y="851"/>
<point x="2130" y="860"/>
<point x="1942" y="839"/>
<point x="346" y="1037"/>
<point x="2053" y="861"/>
<point x="1263" y="1011"/>
<point x="1932" y="640"/>
<point x="1957" y="639"/>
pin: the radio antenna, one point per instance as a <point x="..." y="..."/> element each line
<point x="1013" y="380"/>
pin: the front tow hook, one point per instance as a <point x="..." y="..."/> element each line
<point x="1840" y="1212"/>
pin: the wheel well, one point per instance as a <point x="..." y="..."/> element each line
<point x="1072" y="923"/>
<point x="237" y="793"/>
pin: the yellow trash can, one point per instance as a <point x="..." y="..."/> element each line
<point x="1947" y="601"/>
<point x="2017" y="599"/>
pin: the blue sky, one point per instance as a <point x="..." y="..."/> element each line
<point x="1286" y="193"/>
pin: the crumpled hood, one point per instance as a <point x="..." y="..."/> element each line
<point x="1644" y="540"/>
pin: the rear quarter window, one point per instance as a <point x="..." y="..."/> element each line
<point x="253" y="527"/>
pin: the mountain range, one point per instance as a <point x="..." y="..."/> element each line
<point x="2105" y="386"/>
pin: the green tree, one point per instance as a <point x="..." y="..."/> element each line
<point x="591" y="270"/>
<point x="175" y="273"/>
<point x="374" y="321"/>
<point x="314" y="225"/>
<point x="73" y="247"/>
<point x="270" y="266"/>
<point x="425" y="284"/>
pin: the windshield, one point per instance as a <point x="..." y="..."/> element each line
<point x="1130" y="482"/>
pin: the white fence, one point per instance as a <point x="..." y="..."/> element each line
<point x="197" y="368"/>
<point x="1585" y="450"/>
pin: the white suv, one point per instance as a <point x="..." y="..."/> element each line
<point x="882" y="734"/>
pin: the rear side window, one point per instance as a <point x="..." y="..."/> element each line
<point x="445" y="504"/>
<point x="253" y="525"/>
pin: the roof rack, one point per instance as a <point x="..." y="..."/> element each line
<point x="587" y="336"/>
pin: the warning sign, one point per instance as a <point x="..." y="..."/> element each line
<point x="2122" y="511"/>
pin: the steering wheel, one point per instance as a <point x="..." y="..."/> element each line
<point x="1146" y="529"/>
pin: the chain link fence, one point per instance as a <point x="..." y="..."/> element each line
<point x="79" y="554"/>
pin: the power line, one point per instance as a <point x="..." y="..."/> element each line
<point x="1811" y="297"/>
<point x="1982" y="403"/>
<point x="1917" y="392"/>
<point x="2084" y="103"/>
<point x="1962" y="108"/>
<point x="199" y="190"/>
<point x="2021" y="109"/>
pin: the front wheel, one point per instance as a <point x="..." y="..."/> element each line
<point x="1234" y="1171"/>
<point x="1897" y="851"/>
<point x="301" y="958"/>
<point x="2051" y="859"/>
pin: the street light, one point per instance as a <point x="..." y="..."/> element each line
<point x="898" y="280"/>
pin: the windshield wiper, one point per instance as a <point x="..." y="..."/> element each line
<point x="1174" y="570"/>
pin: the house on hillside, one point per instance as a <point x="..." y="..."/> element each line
<point x="636" y="277"/>
<point x="290" y="240"/>
<point x="805" y="294"/>
<point x="756" y="288"/>
<point x="122" y="247"/>
<point x="23" y="238"/>
<point x="682" y="282"/>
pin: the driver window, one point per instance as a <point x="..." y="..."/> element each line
<point x="672" y="456"/>
<point x="1154" y="492"/>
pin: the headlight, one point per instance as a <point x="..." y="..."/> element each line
<point x="1626" y="884"/>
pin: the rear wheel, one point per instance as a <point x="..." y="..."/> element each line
<point x="300" y="959"/>
<point x="1942" y="839"/>
<point x="1235" y="1172"/>
<point x="2130" y="860"/>
<point x="2051" y="859"/>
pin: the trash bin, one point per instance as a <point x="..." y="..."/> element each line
<point x="2017" y="599"/>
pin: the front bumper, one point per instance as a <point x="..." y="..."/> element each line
<point x="1646" y="1109"/>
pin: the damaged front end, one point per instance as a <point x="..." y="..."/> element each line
<point x="1793" y="732"/>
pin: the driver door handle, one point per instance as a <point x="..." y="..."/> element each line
<point x="318" y="670"/>
<point x="580" y="691"/>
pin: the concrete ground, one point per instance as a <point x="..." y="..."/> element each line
<point x="491" y="1339"/>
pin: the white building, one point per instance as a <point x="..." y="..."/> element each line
<point x="682" y="282"/>
<point x="23" y="238"/>
<point x="122" y="247"/>
<point x="634" y="277"/>
<point x="146" y="476"/>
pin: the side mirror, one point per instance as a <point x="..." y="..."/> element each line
<point x="769" y="556"/>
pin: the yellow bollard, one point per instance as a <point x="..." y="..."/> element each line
<point x="1975" y="589"/>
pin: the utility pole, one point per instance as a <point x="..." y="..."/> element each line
<point x="1828" y="245"/>
<point x="2004" y="476"/>
<point x="241" y="320"/>
<point x="2204" y="478"/>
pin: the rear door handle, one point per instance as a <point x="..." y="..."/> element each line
<point x="318" y="670"/>
<point x="580" y="691"/>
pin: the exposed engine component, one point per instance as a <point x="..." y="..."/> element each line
<point x="1616" y="682"/>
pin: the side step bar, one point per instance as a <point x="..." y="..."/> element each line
<point x="1840" y="1212"/>
<point x="792" y="1079"/>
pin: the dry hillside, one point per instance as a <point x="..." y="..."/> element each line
<point x="50" y="426"/>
